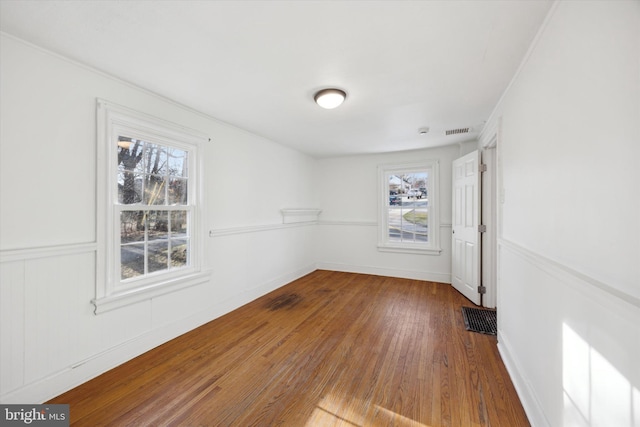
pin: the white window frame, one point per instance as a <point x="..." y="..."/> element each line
<point x="432" y="246"/>
<point x="111" y="292"/>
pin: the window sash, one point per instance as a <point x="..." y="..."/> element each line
<point x="118" y="245"/>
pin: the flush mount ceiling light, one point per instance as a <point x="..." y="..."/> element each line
<point x="330" y="98"/>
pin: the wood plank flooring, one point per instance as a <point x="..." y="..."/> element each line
<point x="330" y="349"/>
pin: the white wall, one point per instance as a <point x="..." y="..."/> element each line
<point x="50" y="340"/>
<point x="348" y="234"/>
<point x="569" y="249"/>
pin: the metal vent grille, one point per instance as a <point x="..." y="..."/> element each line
<point x="456" y="131"/>
<point x="479" y="320"/>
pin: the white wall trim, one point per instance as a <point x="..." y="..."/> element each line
<point x="489" y="217"/>
<point x="365" y="223"/>
<point x="350" y="223"/>
<point x="567" y="274"/>
<point x="9" y="255"/>
<point x="530" y="403"/>
<point x="119" y="300"/>
<point x="275" y="283"/>
<point x="487" y="138"/>
<point x="219" y="232"/>
<point x="387" y="272"/>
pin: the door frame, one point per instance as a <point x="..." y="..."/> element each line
<point x="489" y="210"/>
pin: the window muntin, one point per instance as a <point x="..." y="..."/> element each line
<point x="409" y="208"/>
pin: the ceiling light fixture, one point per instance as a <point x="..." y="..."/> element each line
<point x="330" y="98"/>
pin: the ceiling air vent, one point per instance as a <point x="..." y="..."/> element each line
<point x="456" y="131"/>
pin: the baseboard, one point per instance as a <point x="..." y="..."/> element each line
<point x="258" y="291"/>
<point x="82" y="371"/>
<point x="531" y="405"/>
<point x="388" y="272"/>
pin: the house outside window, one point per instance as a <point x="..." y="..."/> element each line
<point x="149" y="207"/>
<point x="408" y="214"/>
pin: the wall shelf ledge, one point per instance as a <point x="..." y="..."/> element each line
<point x="291" y="216"/>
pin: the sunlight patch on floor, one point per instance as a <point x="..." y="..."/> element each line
<point x="342" y="411"/>
<point x="396" y="419"/>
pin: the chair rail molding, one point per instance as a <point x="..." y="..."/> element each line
<point x="8" y="255"/>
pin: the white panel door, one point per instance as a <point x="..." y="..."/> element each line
<point x="465" y="269"/>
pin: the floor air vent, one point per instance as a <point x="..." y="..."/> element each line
<point x="479" y="320"/>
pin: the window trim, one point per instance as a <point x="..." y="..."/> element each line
<point x="433" y="246"/>
<point x="111" y="292"/>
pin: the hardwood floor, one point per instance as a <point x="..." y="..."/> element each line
<point x="330" y="349"/>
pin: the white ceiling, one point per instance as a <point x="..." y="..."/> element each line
<point x="257" y="64"/>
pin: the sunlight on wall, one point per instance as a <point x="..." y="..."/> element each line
<point x="576" y="381"/>
<point x="595" y="393"/>
<point x="342" y="411"/>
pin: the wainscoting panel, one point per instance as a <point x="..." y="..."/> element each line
<point x="51" y="340"/>
<point x="12" y="323"/>
<point x="57" y="292"/>
<point x="569" y="342"/>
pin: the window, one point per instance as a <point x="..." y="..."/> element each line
<point x="409" y="208"/>
<point x="148" y="207"/>
<point x="154" y="213"/>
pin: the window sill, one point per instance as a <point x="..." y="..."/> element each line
<point x="128" y="297"/>
<point x="405" y="249"/>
